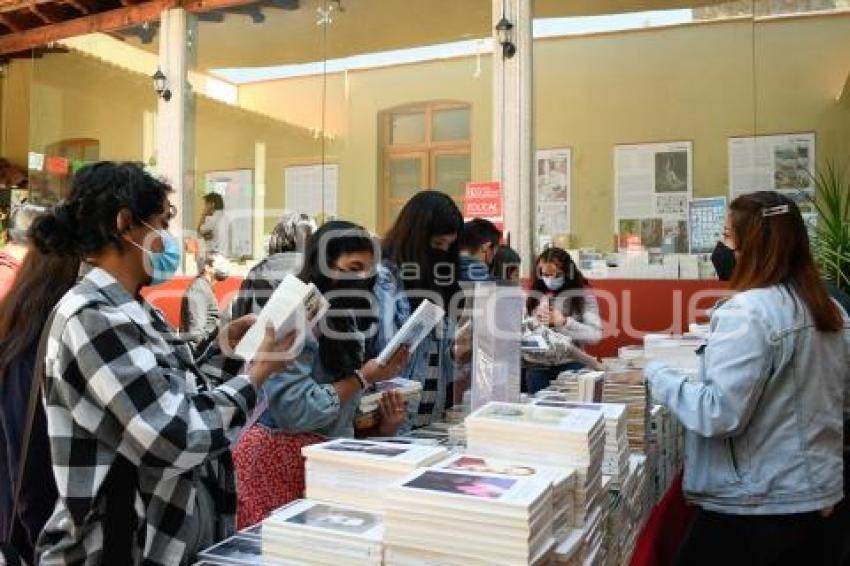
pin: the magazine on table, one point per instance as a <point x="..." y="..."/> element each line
<point x="294" y="305"/>
<point x="323" y="518"/>
<point x="414" y="330"/>
<point x="348" y="450"/>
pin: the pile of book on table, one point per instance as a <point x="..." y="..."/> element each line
<point x="562" y="481"/>
<point x="463" y="518"/>
<point x="548" y="436"/>
<point x="628" y="387"/>
<point x="322" y="533"/>
<point x="358" y="472"/>
<point x="580" y="385"/>
<point x="616" y="462"/>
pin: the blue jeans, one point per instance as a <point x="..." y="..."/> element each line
<point x="539" y="377"/>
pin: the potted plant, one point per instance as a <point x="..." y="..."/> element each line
<point x="831" y="239"/>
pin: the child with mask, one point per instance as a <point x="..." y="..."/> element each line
<point x="560" y="301"/>
<point x="317" y="396"/>
<point x="139" y="431"/>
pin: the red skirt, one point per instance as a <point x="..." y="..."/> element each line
<point x="269" y="471"/>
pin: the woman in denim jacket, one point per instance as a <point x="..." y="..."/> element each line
<point x="420" y="261"/>
<point x="763" y="456"/>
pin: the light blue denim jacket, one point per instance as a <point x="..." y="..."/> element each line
<point x="393" y="311"/>
<point x="302" y="398"/>
<point x="765" y="418"/>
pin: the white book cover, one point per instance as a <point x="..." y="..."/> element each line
<point x="530" y="417"/>
<point x="559" y="477"/>
<point x="407" y="387"/>
<point x="414" y="329"/>
<point x="610" y="411"/>
<point x="237" y="550"/>
<point x="293" y="305"/>
<point x="327" y="519"/>
<point x="473" y="492"/>
<point x="347" y="451"/>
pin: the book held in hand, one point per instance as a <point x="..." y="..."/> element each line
<point x="293" y="306"/>
<point x="414" y="330"/>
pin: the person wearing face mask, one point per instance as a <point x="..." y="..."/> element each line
<point x="764" y="418"/>
<point x="139" y="431"/>
<point x="420" y="257"/>
<point x="199" y="314"/>
<point x="317" y="396"/>
<point x="559" y="301"/>
<point x="478" y="243"/>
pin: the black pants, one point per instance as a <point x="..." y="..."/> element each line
<point x="754" y="540"/>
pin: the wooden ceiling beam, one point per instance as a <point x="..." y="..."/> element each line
<point x="39" y="13"/>
<point x="78" y="6"/>
<point x="208" y="5"/>
<point x="111" y="20"/>
<point x="11" y="24"/>
<point x="17" y="5"/>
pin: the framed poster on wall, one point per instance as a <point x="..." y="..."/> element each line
<point x="653" y="183"/>
<point x="784" y="163"/>
<point x="552" y="193"/>
<point x="237" y="189"/>
<point x="312" y="189"/>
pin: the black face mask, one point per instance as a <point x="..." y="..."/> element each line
<point x="723" y="259"/>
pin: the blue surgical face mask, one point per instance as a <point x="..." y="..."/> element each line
<point x="553" y="283"/>
<point x="164" y="264"/>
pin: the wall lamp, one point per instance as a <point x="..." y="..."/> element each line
<point x="160" y="85"/>
<point x="505" y="33"/>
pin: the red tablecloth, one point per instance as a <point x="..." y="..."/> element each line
<point x="665" y="530"/>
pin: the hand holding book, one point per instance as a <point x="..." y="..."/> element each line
<point x="272" y="356"/>
<point x="374" y="371"/>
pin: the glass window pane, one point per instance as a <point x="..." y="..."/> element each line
<point x="407" y="128"/>
<point x="450" y="125"/>
<point x="405" y="176"/>
<point x="452" y="172"/>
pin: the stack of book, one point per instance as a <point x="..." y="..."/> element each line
<point x="616" y="462"/>
<point x="570" y="549"/>
<point x="548" y="436"/>
<point x="317" y="532"/>
<point x="452" y="517"/>
<point x="370" y="399"/>
<point x="593" y="532"/>
<point x="562" y="480"/>
<point x="582" y="385"/>
<point x="629" y="388"/>
<point x="616" y="528"/>
<point x="358" y="472"/>
<point x="679" y="352"/>
<point x="635" y="504"/>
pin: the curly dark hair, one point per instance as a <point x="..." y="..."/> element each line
<point x="85" y="222"/>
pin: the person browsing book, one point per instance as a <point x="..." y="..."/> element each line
<point x="764" y="417"/>
<point x="319" y="392"/>
<point x="139" y="431"/>
<point x="562" y="308"/>
<point x="420" y="259"/>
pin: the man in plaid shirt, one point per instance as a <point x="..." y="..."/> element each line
<point x="137" y="429"/>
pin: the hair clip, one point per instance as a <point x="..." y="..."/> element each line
<point x="775" y="210"/>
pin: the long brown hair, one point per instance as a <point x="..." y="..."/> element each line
<point x="40" y="283"/>
<point x="773" y="249"/>
<point x="573" y="280"/>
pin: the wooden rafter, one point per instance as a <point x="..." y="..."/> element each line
<point x="78" y="6"/>
<point x="17" y="5"/>
<point x="41" y="15"/>
<point x="11" y="24"/>
<point x="111" y="20"/>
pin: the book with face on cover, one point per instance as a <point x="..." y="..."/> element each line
<point x="293" y="306"/>
<point x="384" y="455"/>
<point x="414" y="330"/>
<point x="322" y="519"/>
<point x="556" y="420"/>
<point x="237" y="550"/>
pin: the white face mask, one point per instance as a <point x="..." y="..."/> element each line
<point x="553" y="283"/>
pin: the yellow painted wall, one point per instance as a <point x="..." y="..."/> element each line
<point x="15" y="126"/>
<point x="697" y="82"/>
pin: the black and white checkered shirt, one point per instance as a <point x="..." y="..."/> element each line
<point x="116" y="383"/>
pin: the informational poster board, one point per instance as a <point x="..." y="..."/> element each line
<point x="237" y="189"/>
<point x="553" y="191"/>
<point x="706" y="218"/>
<point x="312" y="189"/>
<point x="784" y="163"/>
<point x="496" y="336"/>
<point x="484" y="200"/>
<point x="653" y="183"/>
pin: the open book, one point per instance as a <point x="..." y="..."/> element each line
<point x="414" y="330"/>
<point x="294" y="305"/>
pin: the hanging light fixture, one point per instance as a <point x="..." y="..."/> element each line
<point x="505" y="34"/>
<point x="160" y="85"/>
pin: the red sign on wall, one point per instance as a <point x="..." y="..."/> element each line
<point x="483" y="200"/>
<point x="57" y="165"/>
